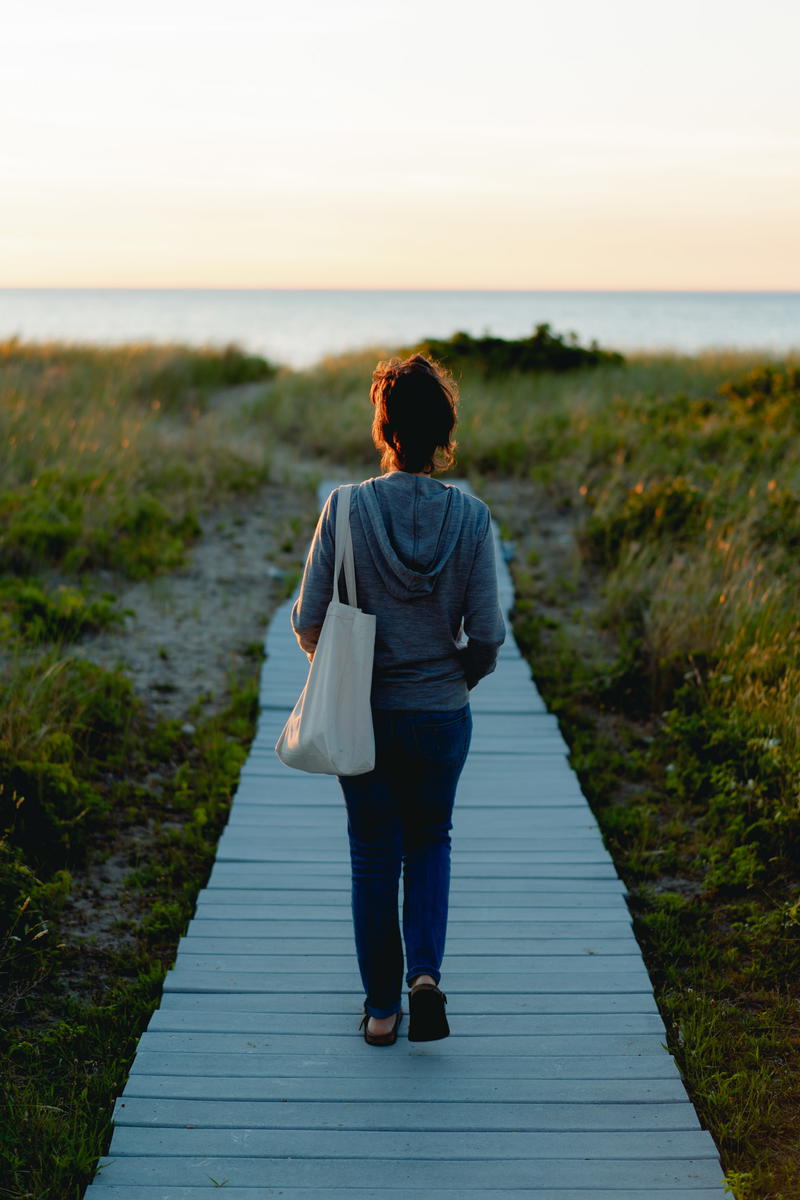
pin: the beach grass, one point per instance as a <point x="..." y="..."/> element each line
<point x="108" y="457"/>
<point x="652" y="509"/>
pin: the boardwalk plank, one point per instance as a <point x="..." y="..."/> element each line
<point x="457" y="965"/>
<point x="185" y="979"/>
<point x="547" y="828"/>
<point x="240" y="848"/>
<point x="341" y="1024"/>
<point x="233" y="1044"/>
<point x="561" y="922"/>
<point x="327" y="1192"/>
<point x="394" y="1090"/>
<point x="397" y="1116"/>
<point x="333" y="875"/>
<point x="461" y="896"/>
<point x="471" y="1175"/>
<point x="464" y="1002"/>
<point x="228" y="875"/>
<point x="457" y="948"/>
<point x="431" y="1145"/>
<point x="427" y="1061"/>
<point x="506" y="796"/>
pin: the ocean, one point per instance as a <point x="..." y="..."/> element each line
<point x="298" y="328"/>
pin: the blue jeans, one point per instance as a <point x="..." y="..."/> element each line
<point x="399" y="815"/>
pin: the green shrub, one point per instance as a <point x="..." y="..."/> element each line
<point x="29" y="910"/>
<point x="59" y="615"/>
<point x="542" y="351"/>
<point x="766" y="391"/>
<point x="38" y="524"/>
<point x="139" y="537"/>
<point x="671" y="510"/>
<point x="64" y="728"/>
<point x="166" y="919"/>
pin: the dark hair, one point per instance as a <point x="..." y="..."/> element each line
<point x="415" y="412"/>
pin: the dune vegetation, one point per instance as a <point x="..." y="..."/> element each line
<point x="109" y="812"/>
<point x="651" y="510"/>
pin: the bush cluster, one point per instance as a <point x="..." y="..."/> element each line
<point x="544" y="350"/>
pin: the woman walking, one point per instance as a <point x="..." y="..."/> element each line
<point x="424" y="560"/>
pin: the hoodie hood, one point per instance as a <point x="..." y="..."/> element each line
<point x="411" y="525"/>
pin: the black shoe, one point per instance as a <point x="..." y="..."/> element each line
<point x="381" y="1039"/>
<point x="426" y="1016"/>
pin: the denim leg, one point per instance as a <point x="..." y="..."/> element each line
<point x="376" y="846"/>
<point x="438" y="746"/>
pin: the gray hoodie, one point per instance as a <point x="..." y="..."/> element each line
<point x="424" y="558"/>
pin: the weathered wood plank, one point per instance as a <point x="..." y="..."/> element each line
<point x="521" y="726"/>
<point x="485" y="763"/>
<point x="185" y="979"/>
<point x="496" y="1004"/>
<point x="340" y="1024"/>
<point x="420" y="1115"/>
<point x="293" y="1143"/>
<point x="390" y="1089"/>
<point x="425" y="1060"/>
<point x="461" y="938"/>
<point x="461" y="897"/>
<point x="229" y="875"/>
<point x="234" y="1044"/>
<point x="331" y="1192"/>
<point x="586" y="966"/>
<point x="333" y="849"/>
<point x="233" y="943"/>
<point x="578" y="872"/>
<point x="547" y="830"/>
<point x="546" y="823"/>
<point x="355" y="1172"/>
<point x="565" y="796"/>
<point x="467" y="918"/>
<point x="263" y="849"/>
<point x="334" y="873"/>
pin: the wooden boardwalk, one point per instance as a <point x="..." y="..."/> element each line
<point x="252" y="1076"/>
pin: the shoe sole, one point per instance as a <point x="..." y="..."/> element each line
<point x="427" y="1019"/>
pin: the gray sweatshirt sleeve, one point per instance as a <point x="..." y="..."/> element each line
<point x="316" y="588"/>
<point x="483" y="621"/>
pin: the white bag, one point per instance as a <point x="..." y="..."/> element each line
<point x="330" y="730"/>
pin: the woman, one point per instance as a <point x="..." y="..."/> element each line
<point x="424" y="559"/>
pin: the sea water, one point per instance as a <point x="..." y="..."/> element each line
<point x="298" y="328"/>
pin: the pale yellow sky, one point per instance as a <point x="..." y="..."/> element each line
<point x="430" y="144"/>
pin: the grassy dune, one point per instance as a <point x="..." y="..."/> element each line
<point x="109" y="814"/>
<point x="654" y="507"/>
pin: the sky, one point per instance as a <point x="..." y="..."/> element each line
<point x="435" y="144"/>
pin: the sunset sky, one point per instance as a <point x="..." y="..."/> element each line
<point x="441" y="143"/>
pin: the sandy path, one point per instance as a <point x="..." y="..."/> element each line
<point x="188" y="629"/>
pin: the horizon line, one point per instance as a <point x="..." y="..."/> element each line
<point x="93" y="287"/>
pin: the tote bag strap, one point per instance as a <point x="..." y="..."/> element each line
<point x="344" y="547"/>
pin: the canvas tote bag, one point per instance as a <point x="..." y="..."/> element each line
<point x="330" y="730"/>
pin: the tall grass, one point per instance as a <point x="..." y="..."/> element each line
<point x="107" y="455"/>
<point x="107" y="460"/>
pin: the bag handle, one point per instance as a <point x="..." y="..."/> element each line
<point x="344" y="547"/>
